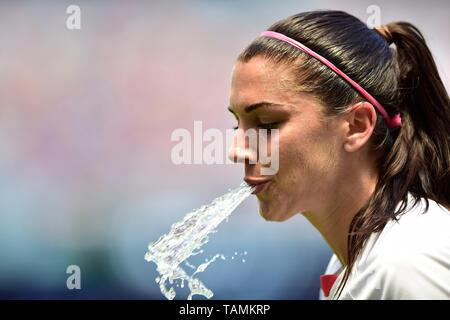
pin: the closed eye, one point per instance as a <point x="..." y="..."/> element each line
<point x="268" y="126"/>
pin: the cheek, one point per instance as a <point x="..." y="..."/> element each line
<point x="305" y="158"/>
<point x="301" y="175"/>
<point x="295" y="148"/>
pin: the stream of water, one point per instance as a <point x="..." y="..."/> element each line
<point x="185" y="239"/>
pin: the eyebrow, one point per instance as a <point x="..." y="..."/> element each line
<point x="254" y="106"/>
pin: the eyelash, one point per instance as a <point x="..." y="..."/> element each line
<point x="267" y="126"/>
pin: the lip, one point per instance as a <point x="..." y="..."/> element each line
<point x="260" y="184"/>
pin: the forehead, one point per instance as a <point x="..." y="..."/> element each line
<point x="261" y="80"/>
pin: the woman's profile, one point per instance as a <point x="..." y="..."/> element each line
<point x="363" y="123"/>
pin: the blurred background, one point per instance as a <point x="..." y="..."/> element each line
<point x="86" y="176"/>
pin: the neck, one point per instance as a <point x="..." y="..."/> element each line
<point x="339" y="205"/>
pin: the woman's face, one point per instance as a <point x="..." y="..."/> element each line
<point x="310" y="146"/>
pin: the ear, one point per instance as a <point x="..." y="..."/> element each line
<point x="360" y="122"/>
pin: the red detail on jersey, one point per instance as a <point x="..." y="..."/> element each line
<point x="326" y="282"/>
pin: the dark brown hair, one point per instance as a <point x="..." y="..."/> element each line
<point x="411" y="159"/>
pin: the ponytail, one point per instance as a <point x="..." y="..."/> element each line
<point x="425" y="108"/>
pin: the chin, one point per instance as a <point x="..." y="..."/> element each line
<point x="274" y="215"/>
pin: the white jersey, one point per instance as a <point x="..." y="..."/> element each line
<point x="409" y="259"/>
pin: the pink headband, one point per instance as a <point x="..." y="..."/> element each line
<point x="393" y="122"/>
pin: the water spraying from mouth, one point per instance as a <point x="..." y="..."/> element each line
<point x="187" y="235"/>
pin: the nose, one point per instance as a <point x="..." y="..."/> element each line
<point x="244" y="149"/>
